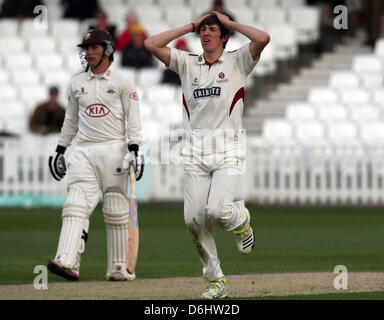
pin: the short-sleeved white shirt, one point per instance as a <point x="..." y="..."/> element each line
<point x="213" y="97"/>
<point x="101" y="108"/>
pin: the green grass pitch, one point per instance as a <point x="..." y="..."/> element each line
<point x="287" y="240"/>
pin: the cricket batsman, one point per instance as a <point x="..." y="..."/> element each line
<point x="214" y="149"/>
<point x="102" y="113"/>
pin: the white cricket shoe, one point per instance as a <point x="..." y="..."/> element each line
<point x="69" y="274"/>
<point x="119" y="273"/>
<point x="244" y="235"/>
<point x="215" y="290"/>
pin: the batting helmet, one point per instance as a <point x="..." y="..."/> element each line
<point x="99" y="36"/>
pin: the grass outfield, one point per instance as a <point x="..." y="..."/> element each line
<point x="287" y="240"/>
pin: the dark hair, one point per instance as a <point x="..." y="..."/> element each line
<point x="211" y="20"/>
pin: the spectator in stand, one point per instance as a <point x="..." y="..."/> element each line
<point x="169" y="76"/>
<point x="19" y="9"/>
<point x="48" y="117"/>
<point x="135" y="54"/>
<point x="102" y="23"/>
<point x="80" y="9"/>
<point x="124" y="38"/>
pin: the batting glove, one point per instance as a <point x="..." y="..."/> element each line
<point x="56" y="163"/>
<point x="136" y="158"/>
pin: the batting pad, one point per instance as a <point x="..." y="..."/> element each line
<point x="116" y="216"/>
<point x="70" y="240"/>
<point x="115" y="208"/>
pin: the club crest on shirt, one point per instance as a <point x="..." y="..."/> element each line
<point x="97" y="110"/>
<point x="134" y="95"/>
<point x="221" y="77"/>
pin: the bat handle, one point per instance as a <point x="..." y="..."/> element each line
<point x="132" y="176"/>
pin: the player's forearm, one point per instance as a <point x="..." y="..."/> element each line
<point x="255" y="35"/>
<point x="162" y="39"/>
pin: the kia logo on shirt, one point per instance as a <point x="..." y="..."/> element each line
<point x="97" y="110"/>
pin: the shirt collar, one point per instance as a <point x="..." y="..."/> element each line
<point x="106" y="75"/>
<point x="201" y="60"/>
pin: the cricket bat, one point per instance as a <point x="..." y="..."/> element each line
<point x="133" y="225"/>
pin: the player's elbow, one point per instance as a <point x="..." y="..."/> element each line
<point x="265" y="38"/>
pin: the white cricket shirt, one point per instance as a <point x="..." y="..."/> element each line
<point x="213" y="97"/>
<point x="101" y="108"/>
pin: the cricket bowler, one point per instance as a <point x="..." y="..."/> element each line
<point x="214" y="149"/>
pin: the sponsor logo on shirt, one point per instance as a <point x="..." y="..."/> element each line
<point x="203" y="93"/>
<point x="80" y="92"/>
<point x="97" y="110"/>
<point x="195" y="82"/>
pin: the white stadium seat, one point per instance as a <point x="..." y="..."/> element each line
<point x="30" y="28"/>
<point x="267" y="62"/>
<point x="4" y="77"/>
<point x="292" y="3"/>
<point x="367" y="63"/>
<point x="379" y="48"/>
<point x="264" y="3"/>
<point x="65" y="28"/>
<point x="176" y="16"/>
<point x="299" y="112"/>
<point x="18" y="61"/>
<point x="311" y="133"/>
<point x="8" y="93"/>
<point x="41" y="45"/>
<point x="377" y="97"/>
<point x="25" y="77"/>
<point x="307" y="22"/>
<point x="322" y="95"/>
<point x="362" y="113"/>
<point x="372" y="80"/>
<point x="354" y="96"/>
<point x="284" y="40"/>
<point x="32" y="95"/>
<point x="67" y="45"/>
<point x="149" y="14"/>
<point x="343" y="133"/>
<point x="49" y="61"/>
<point x="161" y="93"/>
<point x="278" y="132"/>
<point x="327" y="113"/>
<point x="271" y="15"/>
<point x="11" y="45"/>
<point x="8" y="27"/>
<point x="172" y="3"/>
<point x="343" y="79"/>
<point x="372" y="133"/>
<point x="150" y="76"/>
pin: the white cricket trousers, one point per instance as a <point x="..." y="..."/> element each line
<point x="211" y="183"/>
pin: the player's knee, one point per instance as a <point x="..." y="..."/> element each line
<point x="75" y="205"/>
<point x="213" y="213"/>
<point x="218" y="213"/>
<point x="115" y="208"/>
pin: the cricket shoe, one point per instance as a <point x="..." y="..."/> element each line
<point x="119" y="273"/>
<point x="61" y="271"/>
<point x="216" y="290"/>
<point x="244" y="236"/>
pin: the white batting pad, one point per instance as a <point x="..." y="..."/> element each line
<point x="70" y="240"/>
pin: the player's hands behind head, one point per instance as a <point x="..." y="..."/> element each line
<point x="135" y="158"/>
<point x="56" y="163"/>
